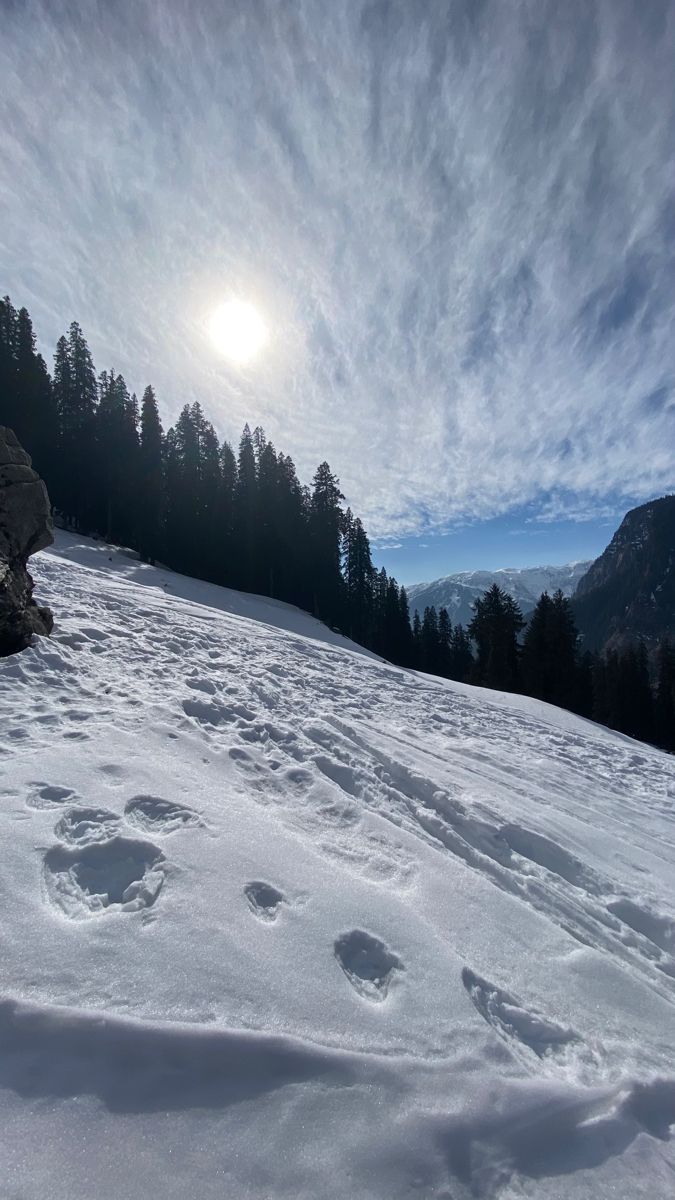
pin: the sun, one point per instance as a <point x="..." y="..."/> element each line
<point x="237" y="331"/>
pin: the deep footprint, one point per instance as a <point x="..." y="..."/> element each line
<point x="48" y="795"/>
<point x="81" y="826"/>
<point x="510" y="1020"/>
<point x="368" y="964"/>
<point x="154" y="815"/>
<point x="121" y="874"/>
<point x="264" y="900"/>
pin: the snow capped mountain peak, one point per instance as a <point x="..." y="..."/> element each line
<point x="282" y="920"/>
<point x="525" y="584"/>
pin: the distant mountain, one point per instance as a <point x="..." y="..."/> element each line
<point x="458" y="592"/>
<point x="629" y="591"/>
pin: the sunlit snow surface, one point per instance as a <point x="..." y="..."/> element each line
<point x="280" y="920"/>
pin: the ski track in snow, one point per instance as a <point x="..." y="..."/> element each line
<point x="498" y="876"/>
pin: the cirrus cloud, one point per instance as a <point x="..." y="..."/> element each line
<point x="458" y="218"/>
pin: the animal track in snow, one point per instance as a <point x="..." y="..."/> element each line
<point x="509" y="1019"/>
<point x="121" y="874"/>
<point x="48" y="795"/>
<point x="152" y="814"/>
<point x="264" y="900"/>
<point x="83" y="825"/>
<point x="368" y="964"/>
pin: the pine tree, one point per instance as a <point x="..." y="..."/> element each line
<point x="495" y="626"/>
<point x="267" y="544"/>
<point x="117" y="449"/>
<point x="444" y="662"/>
<point x="430" y="641"/>
<point x="358" y="574"/>
<point x="325" y="530"/>
<point x="246" y="514"/>
<point x="379" y="589"/>
<point x="405" y="654"/>
<point x="291" y="533"/>
<point x="417" y="641"/>
<point x="225" y="519"/>
<point x="538" y="657"/>
<point x="207" y="497"/>
<point x="76" y="398"/>
<point x="462" y="662"/>
<point x="391" y="633"/>
<point x="26" y="398"/>
<point x="36" y="425"/>
<point x="9" y="398"/>
<point x="565" y="640"/>
<point x="150" y="491"/>
<point x="183" y="536"/>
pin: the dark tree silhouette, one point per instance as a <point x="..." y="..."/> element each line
<point x="495" y="626"/>
<point x="150" y="495"/>
<point x="325" y="532"/>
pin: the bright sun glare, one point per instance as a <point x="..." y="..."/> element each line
<point x="237" y="331"/>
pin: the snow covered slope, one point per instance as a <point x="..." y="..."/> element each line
<point x="458" y="592"/>
<point x="280" y="920"/>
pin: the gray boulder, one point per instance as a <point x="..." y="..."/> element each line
<point x="25" y="527"/>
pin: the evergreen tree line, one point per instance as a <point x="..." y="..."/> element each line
<point x="543" y="658"/>
<point x="244" y="520"/>
<point x="182" y="497"/>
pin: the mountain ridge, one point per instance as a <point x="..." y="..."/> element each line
<point x="628" y="593"/>
<point x="457" y="591"/>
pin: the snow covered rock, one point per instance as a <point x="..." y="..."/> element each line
<point x="25" y="528"/>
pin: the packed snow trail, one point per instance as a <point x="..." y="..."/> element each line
<point x="280" y="919"/>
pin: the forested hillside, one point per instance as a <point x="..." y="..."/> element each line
<point x="244" y="520"/>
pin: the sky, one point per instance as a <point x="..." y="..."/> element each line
<point x="456" y="218"/>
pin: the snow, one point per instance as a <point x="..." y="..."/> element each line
<point x="282" y="920"/>
<point x="458" y="592"/>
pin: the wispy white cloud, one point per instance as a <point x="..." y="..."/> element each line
<point x="578" y="509"/>
<point x="458" y="218"/>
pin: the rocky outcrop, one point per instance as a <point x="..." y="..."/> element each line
<point x="629" y="591"/>
<point x="25" y="527"/>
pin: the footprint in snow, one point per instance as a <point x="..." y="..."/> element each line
<point x="80" y="826"/>
<point x="511" y="1020"/>
<point x="152" y="814"/>
<point x="205" y="712"/>
<point x="121" y="874"/>
<point x="201" y="685"/>
<point x="48" y="795"/>
<point x="264" y="900"/>
<point x="368" y="964"/>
